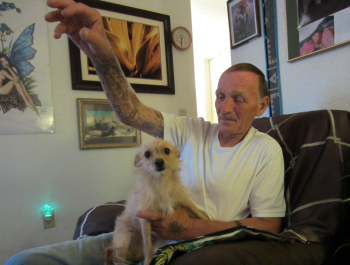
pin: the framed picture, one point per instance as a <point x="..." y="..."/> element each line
<point x="142" y="43"/>
<point x="99" y="126"/>
<point x="244" y="21"/>
<point x="314" y="27"/>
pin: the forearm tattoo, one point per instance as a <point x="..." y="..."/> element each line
<point x="118" y="92"/>
<point x="238" y="223"/>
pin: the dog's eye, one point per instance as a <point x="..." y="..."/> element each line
<point x="147" y="154"/>
<point x="167" y="151"/>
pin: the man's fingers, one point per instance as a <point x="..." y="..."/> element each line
<point x="54" y="16"/>
<point x="85" y="13"/>
<point x="152" y="216"/>
<point x="59" y="3"/>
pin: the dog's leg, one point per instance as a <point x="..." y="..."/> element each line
<point x="147" y="241"/>
<point x="121" y="241"/>
<point x="193" y="211"/>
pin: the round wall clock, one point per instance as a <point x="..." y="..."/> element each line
<point x="181" y="38"/>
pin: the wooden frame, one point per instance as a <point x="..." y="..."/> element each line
<point x="244" y="21"/>
<point x="159" y="82"/>
<point x="99" y="127"/>
<point x="295" y="29"/>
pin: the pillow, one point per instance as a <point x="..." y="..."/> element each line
<point x="98" y="220"/>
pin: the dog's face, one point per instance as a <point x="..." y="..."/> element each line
<point x="157" y="157"/>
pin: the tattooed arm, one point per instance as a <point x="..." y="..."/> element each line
<point x="180" y="226"/>
<point x="84" y="26"/>
<point x="123" y="99"/>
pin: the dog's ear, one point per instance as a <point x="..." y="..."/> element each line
<point x="177" y="153"/>
<point x="137" y="159"/>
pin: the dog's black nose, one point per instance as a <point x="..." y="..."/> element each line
<point x="159" y="164"/>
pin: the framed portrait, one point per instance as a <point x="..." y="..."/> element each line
<point x="141" y="41"/>
<point x="99" y="126"/>
<point x="314" y="27"/>
<point x="244" y="21"/>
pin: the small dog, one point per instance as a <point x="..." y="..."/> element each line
<point x="158" y="189"/>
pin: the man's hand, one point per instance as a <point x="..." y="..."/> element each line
<point x="174" y="227"/>
<point x="83" y="25"/>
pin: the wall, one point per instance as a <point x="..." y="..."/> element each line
<point x="50" y="168"/>
<point x="313" y="83"/>
<point x="210" y="39"/>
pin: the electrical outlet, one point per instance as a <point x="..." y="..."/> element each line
<point x="182" y="112"/>
<point x="49" y="223"/>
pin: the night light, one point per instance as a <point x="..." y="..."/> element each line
<point x="47" y="211"/>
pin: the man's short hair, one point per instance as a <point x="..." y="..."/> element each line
<point x="263" y="90"/>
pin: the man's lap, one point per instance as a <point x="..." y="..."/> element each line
<point x="256" y="253"/>
<point x="89" y="251"/>
<point x="83" y="251"/>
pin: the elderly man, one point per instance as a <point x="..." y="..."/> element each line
<point x="234" y="172"/>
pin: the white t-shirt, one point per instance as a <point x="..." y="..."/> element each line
<point x="228" y="183"/>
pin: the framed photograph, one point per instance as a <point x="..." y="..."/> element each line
<point x="142" y="43"/>
<point x="244" y="21"/>
<point x="314" y="27"/>
<point x="99" y="126"/>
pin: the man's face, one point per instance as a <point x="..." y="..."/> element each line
<point x="237" y="102"/>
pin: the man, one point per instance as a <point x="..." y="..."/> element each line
<point x="234" y="172"/>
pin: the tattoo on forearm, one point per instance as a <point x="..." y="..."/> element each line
<point x="175" y="228"/>
<point x="238" y="223"/>
<point x="158" y="114"/>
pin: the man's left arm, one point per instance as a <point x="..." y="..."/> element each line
<point x="180" y="226"/>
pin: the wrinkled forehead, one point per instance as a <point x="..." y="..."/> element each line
<point x="239" y="81"/>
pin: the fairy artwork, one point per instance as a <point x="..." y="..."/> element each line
<point x="24" y="108"/>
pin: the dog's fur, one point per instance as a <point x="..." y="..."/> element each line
<point x="158" y="189"/>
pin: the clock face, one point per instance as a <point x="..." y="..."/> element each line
<point x="182" y="38"/>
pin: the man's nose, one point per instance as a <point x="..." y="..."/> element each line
<point x="227" y="105"/>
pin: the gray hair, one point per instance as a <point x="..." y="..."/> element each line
<point x="263" y="90"/>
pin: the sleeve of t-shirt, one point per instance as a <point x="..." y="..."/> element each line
<point x="178" y="130"/>
<point x="267" y="195"/>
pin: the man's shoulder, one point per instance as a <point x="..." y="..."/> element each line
<point x="262" y="137"/>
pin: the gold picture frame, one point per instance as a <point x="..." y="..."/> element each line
<point x="99" y="127"/>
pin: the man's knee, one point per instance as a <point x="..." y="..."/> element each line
<point x="31" y="257"/>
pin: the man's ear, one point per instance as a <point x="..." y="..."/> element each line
<point x="263" y="104"/>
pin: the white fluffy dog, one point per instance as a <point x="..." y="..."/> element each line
<point x="158" y="188"/>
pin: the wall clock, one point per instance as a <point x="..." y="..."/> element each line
<point x="181" y="38"/>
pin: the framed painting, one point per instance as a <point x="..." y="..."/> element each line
<point x="244" y="21"/>
<point x="99" y="127"/>
<point x="146" y="54"/>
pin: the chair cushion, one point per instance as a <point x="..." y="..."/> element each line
<point x="98" y="220"/>
<point x="316" y="150"/>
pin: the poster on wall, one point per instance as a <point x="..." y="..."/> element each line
<point x="26" y="104"/>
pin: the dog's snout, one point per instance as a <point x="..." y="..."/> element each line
<point x="159" y="164"/>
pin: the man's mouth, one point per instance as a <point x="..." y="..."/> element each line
<point x="223" y="116"/>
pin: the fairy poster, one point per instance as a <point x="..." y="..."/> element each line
<point x="26" y="104"/>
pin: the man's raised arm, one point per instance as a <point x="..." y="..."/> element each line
<point x="84" y="27"/>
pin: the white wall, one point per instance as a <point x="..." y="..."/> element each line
<point x="210" y="38"/>
<point x="313" y="83"/>
<point x="42" y="168"/>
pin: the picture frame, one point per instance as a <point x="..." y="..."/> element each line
<point x="153" y="41"/>
<point x="244" y="21"/>
<point x="99" y="126"/>
<point x="300" y="30"/>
